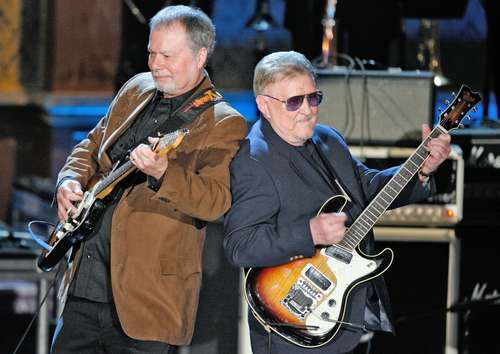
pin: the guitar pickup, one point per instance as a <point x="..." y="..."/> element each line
<point x="339" y="254"/>
<point x="318" y="278"/>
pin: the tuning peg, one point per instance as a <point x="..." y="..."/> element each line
<point x="467" y="117"/>
<point x="447" y="101"/>
<point x="453" y="94"/>
<point x="474" y="109"/>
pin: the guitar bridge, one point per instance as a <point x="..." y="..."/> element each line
<point x="306" y="292"/>
<point x="298" y="301"/>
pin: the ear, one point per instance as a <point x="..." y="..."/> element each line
<point x="262" y="105"/>
<point x="202" y="57"/>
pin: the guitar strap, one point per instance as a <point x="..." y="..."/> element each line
<point x="188" y="112"/>
<point x="191" y="109"/>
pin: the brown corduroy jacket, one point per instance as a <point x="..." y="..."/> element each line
<point x="155" y="247"/>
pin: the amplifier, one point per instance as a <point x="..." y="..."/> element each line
<point x="374" y="107"/>
<point x="444" y="208"/>
<point x="481" y="152"/>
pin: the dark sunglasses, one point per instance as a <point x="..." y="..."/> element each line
<point x="293" y="103"/>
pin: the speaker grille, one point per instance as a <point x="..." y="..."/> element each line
<point x="377" y="107"/>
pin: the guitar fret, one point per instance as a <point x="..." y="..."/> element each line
<point x="369" y="218"/>
<point x="422" y="157"/>
<point x="396" y="182"/>
<point x="369" y="211"/>
<point x="400" y="180"/>
<point x="364" y="227"/>
<point x="394" y="192"/>
<point x="360" y="225"/>
<point x="346" y="242"/>
<point x="387" y="201"/>
<point x="413" y="163"/>
<point x="434" y="133"/>
<point x="374" y="210"/>
<point x="407" y="174"/>
<point x="351" y="245"/>
<point x="354" y="231"/>
<point x="419" y="157"/>
<point x="382" y="206"/>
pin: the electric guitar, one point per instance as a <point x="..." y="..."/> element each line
<point x="305" y="301"/>
<point x="94" y="201"/>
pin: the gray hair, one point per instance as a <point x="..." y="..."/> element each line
<point x="276" y="66"/>
<point x="198" y="26"/>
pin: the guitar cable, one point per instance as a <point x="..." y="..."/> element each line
<point x="46" y="295"/>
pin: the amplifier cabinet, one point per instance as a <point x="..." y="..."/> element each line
<point x="376" y="107"/>
<point x="444" y="208"/>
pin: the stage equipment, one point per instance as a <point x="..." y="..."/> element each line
<point x="481" y="152"/>
<point x="371" y="107"/>
<point x="17" y="268"/>
<point x="262" y="19"/>
<point x="429" y="52"/>
<point x="444" y="208"/>
<point x="329" y="43"/>
<point x="423" y="283"/>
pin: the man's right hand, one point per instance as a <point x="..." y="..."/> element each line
<point x="68" y="192"/>
<point x="328" y="228"/>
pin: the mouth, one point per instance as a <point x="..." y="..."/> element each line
<point x="306" y="119"/>
<point x="160" y="76"/>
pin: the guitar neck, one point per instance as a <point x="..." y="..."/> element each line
<point x="162" y="147"/>
<point x="107" y="184"/>
<point x="369" y="217"/>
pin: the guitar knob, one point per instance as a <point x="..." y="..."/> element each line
<point x="325" y="315"/>
<point x="332" y="302"/>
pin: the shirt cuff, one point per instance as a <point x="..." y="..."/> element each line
<point x="155" y="184"/>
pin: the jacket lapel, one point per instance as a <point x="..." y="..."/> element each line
<point x="345" y="177"/>
<point x="295" y="160"/>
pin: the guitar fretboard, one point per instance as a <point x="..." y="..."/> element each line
<point x="116" y="174"/>
<point x="368" y="218"/>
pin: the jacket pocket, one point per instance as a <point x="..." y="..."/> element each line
<point x="184" y="269"/>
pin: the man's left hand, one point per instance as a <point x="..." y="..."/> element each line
<point x="146" y="160"/>
<point x="439" y="149"/>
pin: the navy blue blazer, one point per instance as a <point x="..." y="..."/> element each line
<point x="274" y="199"/>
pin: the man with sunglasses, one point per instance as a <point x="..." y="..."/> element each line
<point x="283" y="173"/>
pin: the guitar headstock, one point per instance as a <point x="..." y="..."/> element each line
<point x="464" y="101"/>
<point x="170" y="141"/>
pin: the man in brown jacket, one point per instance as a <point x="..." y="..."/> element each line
<point x="138" y="273"/>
